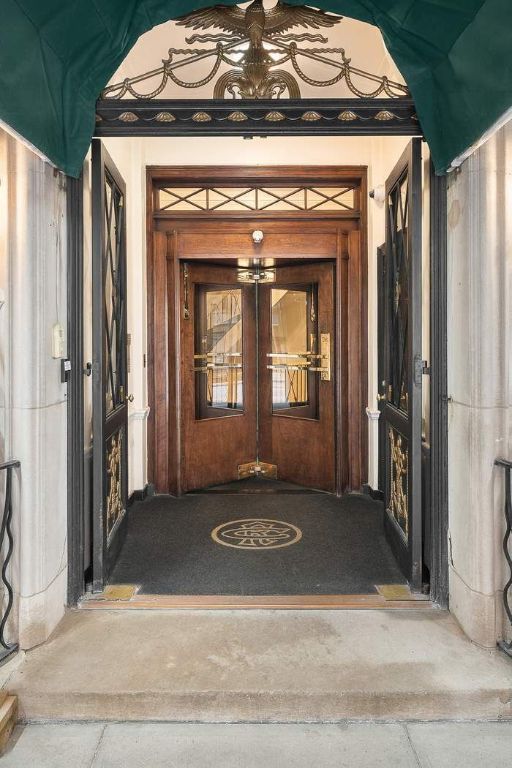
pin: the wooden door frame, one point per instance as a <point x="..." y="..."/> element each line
<point x="164" y="307"/>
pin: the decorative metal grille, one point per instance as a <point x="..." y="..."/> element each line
<point x="255" y="42"/>
<point x="398" y="211"/>
<point x="333" y="199"/>
<point x="6" y="535"/>
<point x="398" y="497"/>
<point x="114" y="298"/>
<point x="114" y="456"/>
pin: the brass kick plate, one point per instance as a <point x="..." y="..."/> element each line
<point x="118" y="592"/>
<point x="325" y="352"/>
<point x="398" y="592"/>
<point x="257" y="469"/>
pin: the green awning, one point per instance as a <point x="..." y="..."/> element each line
<point x="57" y="55"/>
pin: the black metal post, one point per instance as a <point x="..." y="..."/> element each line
<point x="507" y="466"/>
<point x="75" y="393"/>
<point x="7" y="649"/>
<point x="439" y="387"/>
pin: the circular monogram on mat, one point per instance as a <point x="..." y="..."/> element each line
<point x="256" y="533"/>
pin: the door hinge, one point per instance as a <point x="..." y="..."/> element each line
<point x="257" y="469"/>
<point x="186" y="311"/>
<point x="420" y="369"/>
<point x="256" y="276"/>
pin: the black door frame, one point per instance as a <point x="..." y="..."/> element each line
<point x="403" y="261"/>
<point x="76" y="510"/>
<point x="438" y="388"/>
<point x="438" y="398"/>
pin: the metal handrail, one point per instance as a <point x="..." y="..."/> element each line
<point x="7" y="649"/>
<point x="507" y="601"/>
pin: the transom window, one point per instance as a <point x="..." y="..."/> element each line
<point x="293" y="198"/>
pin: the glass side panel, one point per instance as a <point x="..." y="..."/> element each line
<point x="219" y="349"/>
<point x="114" y="300"/>
<point x="398" y="211"/>
<point x="289" y="309"/>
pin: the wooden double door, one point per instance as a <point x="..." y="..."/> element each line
<point x="257" y="374"/>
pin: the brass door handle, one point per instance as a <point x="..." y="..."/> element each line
<point x="277" y="367"/>
<point x="216" y="367"/>
<point x="381" y="398"/>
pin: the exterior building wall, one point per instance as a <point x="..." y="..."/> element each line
<point x="32" y="397"/>
<point x="480" y="382"/>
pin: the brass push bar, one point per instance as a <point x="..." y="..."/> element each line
<point x="301" y="365"/>
<point x="215" y="367"/>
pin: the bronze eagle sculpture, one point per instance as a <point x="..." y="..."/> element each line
<point x="252" y="76"/>
<point x="256" y="21"/>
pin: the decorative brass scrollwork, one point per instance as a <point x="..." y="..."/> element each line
<point x="254" y="44"/>
<point x="398" y="501"/>
<point x="115" y="506"/>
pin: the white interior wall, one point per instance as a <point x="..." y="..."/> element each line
<point x="133" y="156"/>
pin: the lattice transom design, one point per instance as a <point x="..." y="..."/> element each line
<point x="398" y="495"/>
<point x="399" y="257"/>
<point x="113" y="293"/>
<point x="299" y="198"/>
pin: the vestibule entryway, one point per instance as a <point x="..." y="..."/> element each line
<point x="264" y="339"/>
<point x="257" y="370"/>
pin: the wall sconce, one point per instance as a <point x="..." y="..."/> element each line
<point x="257" y="236"/>
<point x="378" y="194"/>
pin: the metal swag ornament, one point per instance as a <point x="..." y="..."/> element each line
<point x="254" y="44"/>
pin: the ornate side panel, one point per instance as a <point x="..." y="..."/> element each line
<point x="398" y="502"/>
<point x="110" y="410"/>
<point x="402" y="369"/>
<point x="116" y="507"/>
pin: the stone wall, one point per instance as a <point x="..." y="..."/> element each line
<point x="480" y="382"/>
<point x="32" y="398"/>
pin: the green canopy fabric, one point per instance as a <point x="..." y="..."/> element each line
<point x="57" y="55"/>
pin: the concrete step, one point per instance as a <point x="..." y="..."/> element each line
<point x="262" y="666"/>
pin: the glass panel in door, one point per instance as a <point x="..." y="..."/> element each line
<point x="218" y="351"/>
<point x="293" y="336"/>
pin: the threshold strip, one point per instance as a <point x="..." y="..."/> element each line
<point x="137" y="601"/>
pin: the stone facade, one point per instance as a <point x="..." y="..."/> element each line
<point x="33" y="269"/>
<point x="480" y="381"/>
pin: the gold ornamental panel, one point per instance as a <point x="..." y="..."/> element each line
<point x="115" y="506"/>
<point x="256" y="534"/>
<point x="399" y="460"/>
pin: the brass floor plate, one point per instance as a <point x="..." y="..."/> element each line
<point x="257" y="469"/>
<point x="400" y="592"/>
<point x="117" y="592"/>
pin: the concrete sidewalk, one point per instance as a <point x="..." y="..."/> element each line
<point x="353" y="745"/>
<point x="262" y="666"/>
